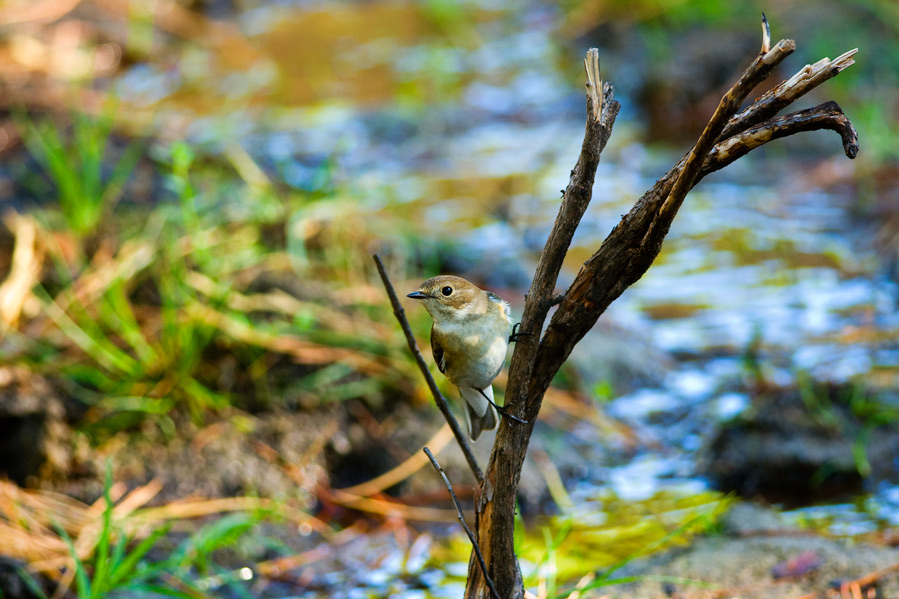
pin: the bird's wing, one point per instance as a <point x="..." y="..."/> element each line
<point x="437" y="350"/>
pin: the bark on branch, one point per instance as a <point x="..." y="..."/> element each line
<point x="621" y="260"/>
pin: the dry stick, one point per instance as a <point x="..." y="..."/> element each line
<point x="471" y="537"/>
<point x="621" y="260"/>
<point x="498" y="492"/>
<point x="439" y="399"/>
<point x="602" y="110"/>
<point x="865" y="580"/>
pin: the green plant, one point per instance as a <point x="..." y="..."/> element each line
<point x="114" y="567"/>
<point x="75" y="164"/>
<point x="136" y="367"/>
<point x="118" y="563"/>
<point x="166" y="318"/>
<point x="702" y="522"/>
<point x="820" y="405"/>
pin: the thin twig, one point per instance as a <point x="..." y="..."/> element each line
<point x="471" y="537"/>
<point x="439" y="399"/>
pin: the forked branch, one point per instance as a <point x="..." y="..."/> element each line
<point x="621" y="260"/>
<point x="633" y="245"/>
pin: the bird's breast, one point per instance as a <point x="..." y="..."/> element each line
<point x="474" y="351"/>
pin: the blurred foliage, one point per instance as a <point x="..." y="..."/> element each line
<point x="612" y="531"/>
<point x="78" y="164"/>
<point x="854" y="412"/>
<point x="591" y="543"/>
<point x="231" y="294"/>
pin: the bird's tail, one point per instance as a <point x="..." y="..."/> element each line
<point x="480" y="415"/>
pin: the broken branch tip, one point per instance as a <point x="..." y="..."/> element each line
<point x="766" y="35"/>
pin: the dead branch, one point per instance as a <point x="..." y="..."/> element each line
<point x="860" y="583"/>
<point x="439" y="399"/>
<point x="625" y="255"/>
<point x="757" y="72"/>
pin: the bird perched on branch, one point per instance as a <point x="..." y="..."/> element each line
<point x="469" y="339"/>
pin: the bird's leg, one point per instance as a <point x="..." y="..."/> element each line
<point x="502" y="410"/>
<point x="513" y="338"/>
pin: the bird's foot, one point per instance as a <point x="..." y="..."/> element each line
<point x="516" y="334"/>
<point x="501" y="409"/>
<point x="506" y="414"/>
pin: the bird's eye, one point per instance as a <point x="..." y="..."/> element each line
<point x="447" y="290"/>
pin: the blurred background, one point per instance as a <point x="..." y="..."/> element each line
<point x="198" y="362"/>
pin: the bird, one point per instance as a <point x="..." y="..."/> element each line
<point x="469" y="339"/>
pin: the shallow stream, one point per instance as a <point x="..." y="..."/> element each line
<point x="468" y="121"/>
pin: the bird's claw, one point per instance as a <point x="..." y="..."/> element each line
<point x="506" y="414"/>
<point x="501" y="409"/>
<point x="516" y="334"/>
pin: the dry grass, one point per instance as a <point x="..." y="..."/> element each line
<point x="30" y="522"/>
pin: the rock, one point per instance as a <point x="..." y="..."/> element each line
<point x="273" y="454"/>
<point x="612" y="355"/>
<point x="743" y="566"/>
<point x="745" y="518"/>
<point x="796" y="446"/>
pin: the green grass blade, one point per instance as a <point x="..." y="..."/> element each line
<point x="107" y="355"/>
<point x="117" y="557"/>
<point x="117" y="314"/>
<point x="121" y="173"/>
<point x="81" y="578"/>
<point x="45" y="144"/>
<point x="170" y="592"/>
<point x="222" y="532"/>
<point x="101" y="560"/>
<point x="127" y="569"/>
<point x="29" y="581"/>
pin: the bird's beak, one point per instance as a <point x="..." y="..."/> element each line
<point x="418" y="295"/>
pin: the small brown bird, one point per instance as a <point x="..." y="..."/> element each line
<point x="469" y="339"/>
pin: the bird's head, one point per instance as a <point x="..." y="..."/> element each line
<point x="450" y="297"/>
